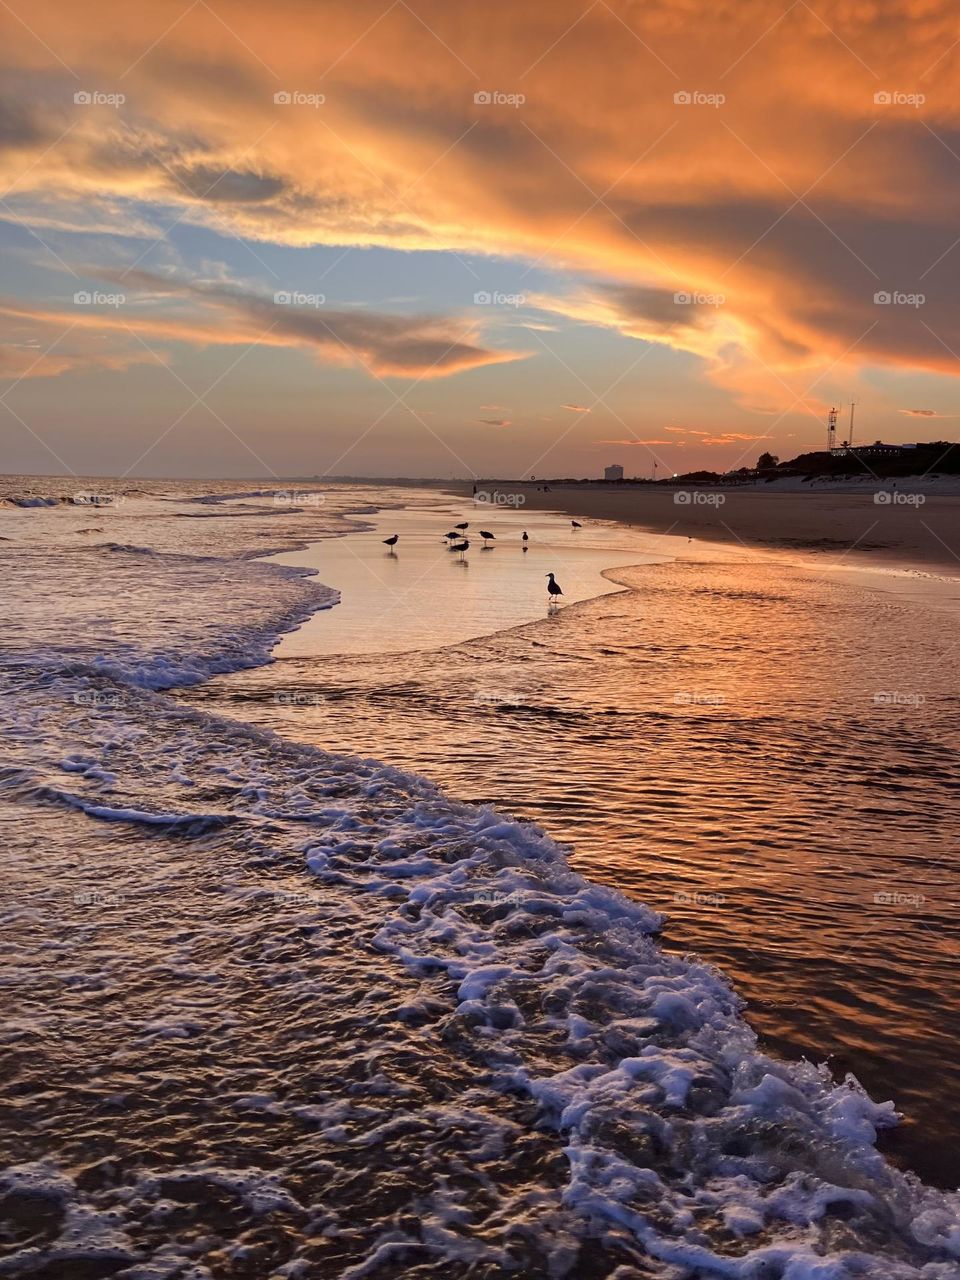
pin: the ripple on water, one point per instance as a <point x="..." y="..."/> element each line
<point x="778" y="741"/>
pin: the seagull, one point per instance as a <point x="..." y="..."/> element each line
<point x="452" y="537"/>
<point x="465" y="525"/>
<point x="391" y="542"/>
<point x="485" y="535"/>
<point x="553" y="588"/>
<point x="461" y="547"/>
<point x="525" y="539"/>
<point x="575" y="524"/>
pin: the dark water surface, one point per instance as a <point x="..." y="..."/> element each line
<point x="764" y="753"/>
<point x="277" y="1013"/>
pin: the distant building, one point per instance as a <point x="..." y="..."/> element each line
<point x="613" y="473"/>
<point x="876" y="450"/>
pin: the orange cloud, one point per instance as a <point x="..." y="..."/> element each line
<point x="633" y="442"/>
<point x="731" y="437"/>
<point x="387" y="345"/>
<point x="739" y="157"/>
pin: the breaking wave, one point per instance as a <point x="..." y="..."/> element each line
<point x="282" y="1013"/>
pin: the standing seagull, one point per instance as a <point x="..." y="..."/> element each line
<point x="485" y="535"/>
<point x="525" y="539"/>
<point x="553" y="589"/>
<point x="461" y="547"/>
<point x="575" y="524"/>
<point x="465" y="525"/>
<point x="392" y="541"/>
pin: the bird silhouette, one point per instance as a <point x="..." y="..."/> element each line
<point x="485" y="535"/>
<point x="525" y="540"/>
<point x="465" y="525"/>
<point x="392" y="541"/>
<point x="553" y="589"/>
<point x="461" y="547"/>
<point x="575" y="524"/>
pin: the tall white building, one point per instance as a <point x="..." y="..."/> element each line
<point x="613" y="473"/>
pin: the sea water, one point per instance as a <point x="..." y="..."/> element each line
<point x="278" y="1010"/>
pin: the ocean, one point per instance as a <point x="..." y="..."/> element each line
<point x="365" y="918"/>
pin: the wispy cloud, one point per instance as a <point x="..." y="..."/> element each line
<point x="630" y="443"/>
<point x="750" y="241"/>
<point x="220" y="314"/>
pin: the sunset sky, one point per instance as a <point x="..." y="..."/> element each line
<point x="454" y="237"/>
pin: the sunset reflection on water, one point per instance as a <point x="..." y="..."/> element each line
<point x="759" y="751"/>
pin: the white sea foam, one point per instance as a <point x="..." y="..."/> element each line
<point x="678" y="1133"/>
<point x="188" y="617"/>
<point x="655" y="1137"/>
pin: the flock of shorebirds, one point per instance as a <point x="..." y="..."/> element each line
<point x="457" y="540"/>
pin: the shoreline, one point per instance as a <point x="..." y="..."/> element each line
<point x="400" y="925"/>
<point x="786" y="1050"/>
<point x="835" y="526"/>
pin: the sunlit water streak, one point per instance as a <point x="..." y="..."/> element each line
<point x="421" y="595"/>
<point x="763" y="752"/>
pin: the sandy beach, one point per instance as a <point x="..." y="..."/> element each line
<point x="919" y="525"/>
<point x="336" y="866"/>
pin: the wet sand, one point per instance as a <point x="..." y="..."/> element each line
<point x="851" y="525"/>
<point x="274" y="1011"/>
<point x="745" y="741"/>
<point x="421" y="595"/>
